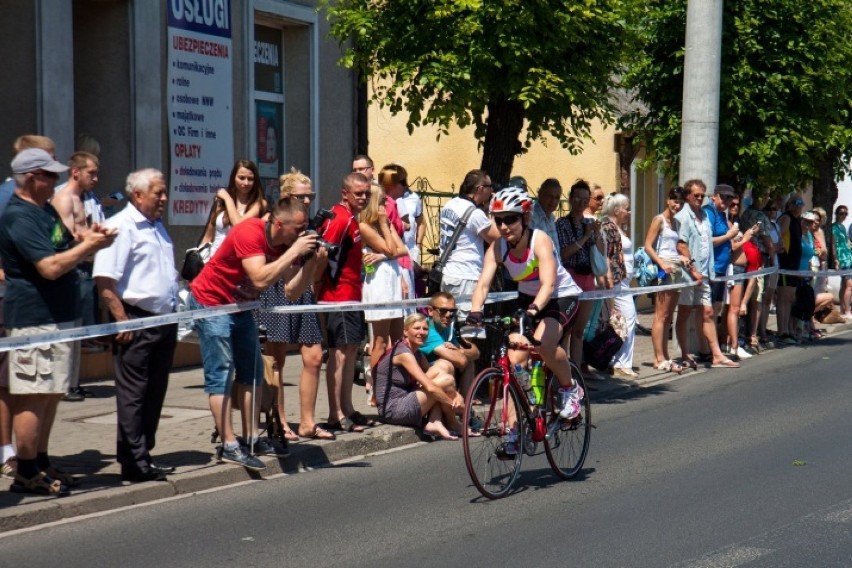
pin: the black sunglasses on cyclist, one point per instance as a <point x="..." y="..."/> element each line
<point x="507" y="220"/>
<point x="446" y="311"/>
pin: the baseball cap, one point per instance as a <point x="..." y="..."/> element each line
<point x="724" y="189"/>
<point x="33" y="159"/>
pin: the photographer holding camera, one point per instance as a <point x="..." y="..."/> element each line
<point x="255" y="255"/>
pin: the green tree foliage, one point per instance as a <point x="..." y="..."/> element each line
<point x="498" y="65"/>
<point x="786" y="88"/>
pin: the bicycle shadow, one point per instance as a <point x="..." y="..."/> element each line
<point x="536" y="479"/>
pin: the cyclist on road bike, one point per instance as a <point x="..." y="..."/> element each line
<point x="545" y="289"/>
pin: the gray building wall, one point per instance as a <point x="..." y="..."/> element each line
<point x="98" y="67"/>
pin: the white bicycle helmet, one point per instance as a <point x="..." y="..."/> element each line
<point x="511" y="200"/>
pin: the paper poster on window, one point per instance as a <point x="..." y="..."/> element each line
<point x="200" y="106"/>
<point x="270" y="123"/>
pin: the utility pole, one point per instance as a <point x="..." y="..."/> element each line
<point x="699" y="142"/>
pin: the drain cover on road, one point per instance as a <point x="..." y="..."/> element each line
<point x="170" y="414"/>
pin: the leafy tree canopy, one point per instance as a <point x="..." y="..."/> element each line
<point x="785" y="93"/>
<point x="492" y="64"/>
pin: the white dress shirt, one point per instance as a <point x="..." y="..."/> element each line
<point x="141" y="261"/>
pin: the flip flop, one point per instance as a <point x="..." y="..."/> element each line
<point x="725" y="364"/>
<point x="346" y="425"/>
<point x="361" y="420"/>
<point x="319" y="433"/>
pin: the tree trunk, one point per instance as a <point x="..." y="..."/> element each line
<point x="825" y="194"/>
<point x="627" y="151"/>
<point x="502" y="138"/>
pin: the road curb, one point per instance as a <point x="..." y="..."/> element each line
<point x="110" y="497"/>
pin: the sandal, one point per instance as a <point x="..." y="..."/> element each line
<point x="39" y="484"/>
<point x="63" y="477"/>
<point x="290" y="436"/>
<point x="346" y="425"/>
<point x="689" y="363"/>
<point x="669" y="366"/>
<point x="362" y="420"/>
<point x="725" y="364"/>
<point x="318" y="433"/>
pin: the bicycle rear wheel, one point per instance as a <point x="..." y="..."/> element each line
<point x="491" y="475"/>
<point x="568" y="441"/>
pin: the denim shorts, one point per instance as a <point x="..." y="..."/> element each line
<point x="228" y="343"/>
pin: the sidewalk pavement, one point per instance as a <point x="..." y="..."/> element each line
<point x="83" y="441"/>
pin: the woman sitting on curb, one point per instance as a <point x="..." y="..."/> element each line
<point x="407" y="389"/>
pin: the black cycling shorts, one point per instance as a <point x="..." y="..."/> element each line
<point x="563" y="310"/>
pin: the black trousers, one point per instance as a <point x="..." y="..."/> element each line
<point x="141" y="380"/>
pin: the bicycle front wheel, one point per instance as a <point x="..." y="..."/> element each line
<point x="567" y="442"/>
<point x="488" y="455"/>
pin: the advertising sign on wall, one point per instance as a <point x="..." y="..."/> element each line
<point x="200" y="106"/>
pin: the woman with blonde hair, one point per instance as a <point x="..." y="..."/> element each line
<point x="407" y="389"/>
<point x="383" y="281"/>
<point x="288" y="332"/>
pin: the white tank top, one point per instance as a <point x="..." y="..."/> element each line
<point x="667" y="241"/>
<point x="524" y="271"/>
<point x="220" y="234"/>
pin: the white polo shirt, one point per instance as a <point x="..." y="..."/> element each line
<point x="141" y="261"/>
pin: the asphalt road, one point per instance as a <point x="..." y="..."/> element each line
<point x="723" y="468"/>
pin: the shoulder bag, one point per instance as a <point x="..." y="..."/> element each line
<point x="197" y="256"/>
<point x="436" y="274"/>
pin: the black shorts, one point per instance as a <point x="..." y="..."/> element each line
<point x="563" y="310"/>
<point x="717" y="289"/>
<point x="791" y="281"/>
<point x="345" y="328"/>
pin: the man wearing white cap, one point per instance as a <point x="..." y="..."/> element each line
<point x="41" y="296"/>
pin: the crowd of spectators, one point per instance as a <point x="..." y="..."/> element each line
<point x="62" y="255"/>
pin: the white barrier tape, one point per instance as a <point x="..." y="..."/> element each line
<point x="815" y="273"/>
<point x="359" y="307"/>
<point x="99" y="330"/>
<point x="745" y="275"/>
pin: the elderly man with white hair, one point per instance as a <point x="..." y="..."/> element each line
<point x="137" y="278"/>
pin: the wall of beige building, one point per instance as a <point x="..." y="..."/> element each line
<point x="444" y="162"/>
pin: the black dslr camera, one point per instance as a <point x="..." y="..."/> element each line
<point x="321" y="217"/>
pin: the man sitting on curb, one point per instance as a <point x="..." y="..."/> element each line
<point x="444" y="345"/>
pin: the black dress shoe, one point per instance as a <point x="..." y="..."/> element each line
<point x="161" y="467"/>
<point x="142" y="474"/>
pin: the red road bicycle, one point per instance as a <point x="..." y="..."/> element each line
<point x="506" y="406"/>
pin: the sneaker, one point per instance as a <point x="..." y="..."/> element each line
<point x="570" y="399"/>
<point x="742" y="353"/>
<point x="265" y="446"/>
<point x="239" y="456"/>
<point x="787" y="339"/>
<point x="508" y="450"/>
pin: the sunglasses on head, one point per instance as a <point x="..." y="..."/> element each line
<point x="798" y="202"/>
<point x="507" y="220"/>
<point x="446" y="311"/>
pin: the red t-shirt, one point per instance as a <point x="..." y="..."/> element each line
<point x="342" y="279"/>
<point x="754" y="260"/>
<point x="221" y="275"/>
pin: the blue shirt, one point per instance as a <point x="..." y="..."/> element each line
<point x="437" y="339"/>
<point x="719" y="226"/>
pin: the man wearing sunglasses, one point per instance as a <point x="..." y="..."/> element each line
<point x="444" y="346"/>
<point x="464" y="263"/>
